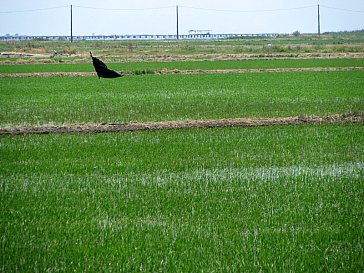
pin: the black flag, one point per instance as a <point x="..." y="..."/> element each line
<point x="102" y="70"/>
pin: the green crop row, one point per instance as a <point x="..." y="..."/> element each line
<point x="151" y="67"/>
<point x="64" y="100"/>
<point x="274" y="199"/>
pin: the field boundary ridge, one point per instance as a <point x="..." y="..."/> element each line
<point x="180" y="124"/>
<point x="180" y="71"/>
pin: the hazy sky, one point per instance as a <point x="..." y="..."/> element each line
<point x="159" y="16"/>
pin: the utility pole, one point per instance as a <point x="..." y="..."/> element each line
<point x="177" y="22"/>
<point x="71" y="26"/>
<point x="318" y="20"/>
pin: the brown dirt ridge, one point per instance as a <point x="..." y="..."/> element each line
<point x="177" y="71"/>
<point x="34" y="57"/>
<point x="180" y="124"/>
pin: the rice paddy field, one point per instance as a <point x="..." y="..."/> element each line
<point x="284" y="198"/>
<point x="67" y="100"/>
<point x="150" y="67"/>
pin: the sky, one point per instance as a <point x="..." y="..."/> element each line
<point x="110" y="17"/>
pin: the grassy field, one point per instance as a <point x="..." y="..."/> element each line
<point x="29" y="101"/>
<point x="284" y="198"/>
<point x="340" y="42"/>
<point x="149" y="67"/>
<point x="235" y="199"/>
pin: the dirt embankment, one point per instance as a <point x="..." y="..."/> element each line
<point x="177" y="71"/>
<point x="37" y="57"/>
<point x="181" y="124"/>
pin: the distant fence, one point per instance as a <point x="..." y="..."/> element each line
<point x="133" y="37"/>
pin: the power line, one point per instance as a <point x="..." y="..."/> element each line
<point x="348" y="10"/>
<point x="33" y="10"/>
<point x="186" y="7"/>
<point x="117" y="9"/>
<point x="248" y="11"/>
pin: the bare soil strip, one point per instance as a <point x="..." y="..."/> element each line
<point x="84" y="57"/>
<point x="225" y="71"/>
<point x="181" y="124"/>
<point x="177" y="71"/>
